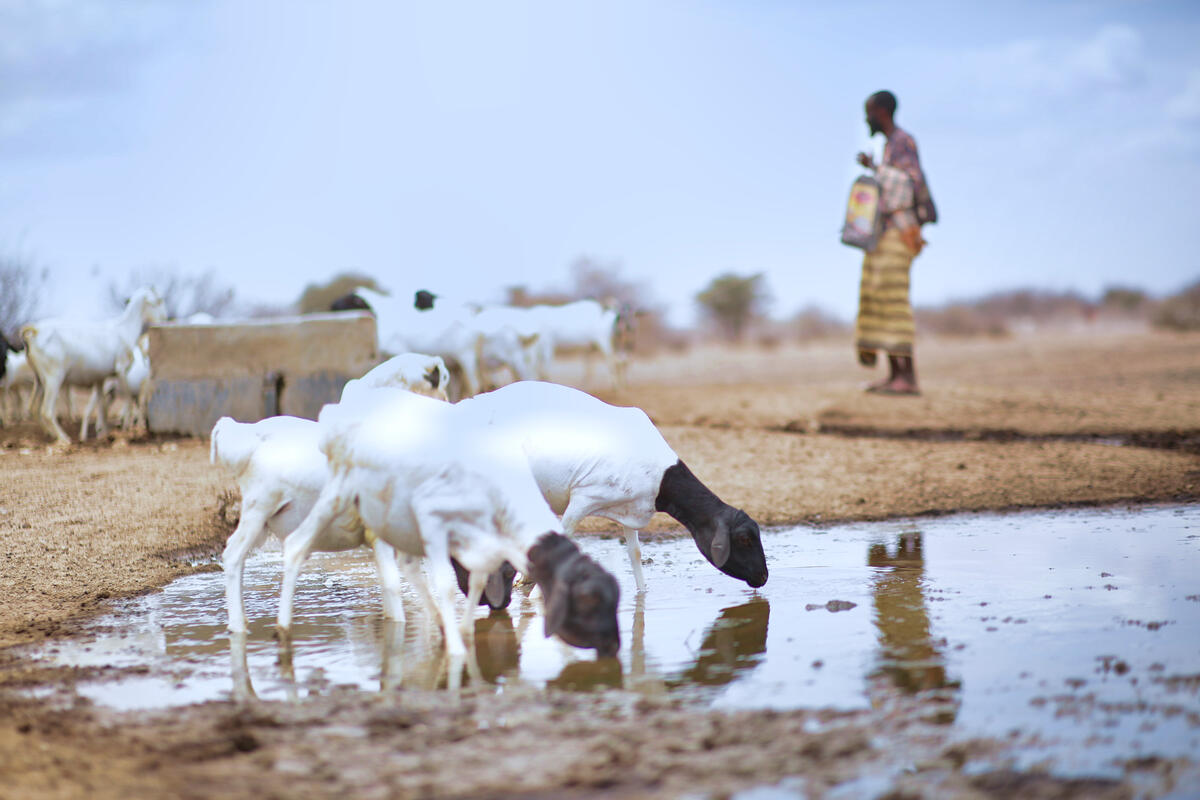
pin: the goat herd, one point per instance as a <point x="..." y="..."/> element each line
<point x="468" y="493"/>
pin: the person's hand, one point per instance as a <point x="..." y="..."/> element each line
<point x="913" y="240"/>
<point x="866" y="160"/>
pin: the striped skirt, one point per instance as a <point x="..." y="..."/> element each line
<point x="885" y="315"/>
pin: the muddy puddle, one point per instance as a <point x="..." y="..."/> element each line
<point x="1073" y="634"/>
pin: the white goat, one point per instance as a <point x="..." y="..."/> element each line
<point x="584" y="324"/>
<point x="132" y="383"/>
<point x="67" y="352"/>
<point x="18" y="375"/>
<point x="446" y="333"/>
<point x="416" y="372"/>
<point x="281" y="471"/>
<point x="429" y="487"/>
<point x="509" y="336"/>
<point x="590" y="458"/>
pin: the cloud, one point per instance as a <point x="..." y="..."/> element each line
<point x="1110" y="60"/>
<point x="1185" y="106"/>
<point x="60" y="58"/>
<point x="1017" y="72"/>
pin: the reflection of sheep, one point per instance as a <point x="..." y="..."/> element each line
<point x="426" y="483"/>
<point x="64" y="352"/>
<point x="593" y="459"/>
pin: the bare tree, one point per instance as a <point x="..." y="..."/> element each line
<point x="184" y="294"/>
<point x="317" y="297"/>
<point x="21" y="286"/>
<point x="733" y="301"/>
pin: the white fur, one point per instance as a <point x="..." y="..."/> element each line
<point x="428" y="487"/>
<point x="411" y="371"/>
<point x="131" y="383"/>
<point x="589" y="458"/>
<point x="281" y="472"/>
<point x="584" y="324"/>
<point x="65" y="352"/>
<point x="18" y="376"/>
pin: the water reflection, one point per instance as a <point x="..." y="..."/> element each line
<point x="414" y="658"/>
<point x="734" y="644"/>
<point x="908" y="659"/>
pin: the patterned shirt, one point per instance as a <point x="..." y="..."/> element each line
<point x="901" y="152"/>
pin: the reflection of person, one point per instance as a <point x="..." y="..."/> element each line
<point x="885" y="316"/>
<point x="908" y="655"/>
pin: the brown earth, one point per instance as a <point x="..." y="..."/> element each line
<point x="1084" y="418"/>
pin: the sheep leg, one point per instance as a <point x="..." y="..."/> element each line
<point x="50" y="385"/>
<point x="249" y="534"/>
<point x="389" y="579"/>
<point x="391" y="673"/>
<point x="470" y="365"/>
<point x="93" y="400"/>
<point x="143" y="401"/>
<point x="102" y="416"/>
<point x="243" y="689"/>
<point x="299" y="544"/>
<point x="612" y="361"/>
<point x="410" y="566"/>
<point x="34" y="402"/>
<point x="475" y="585"/>
<point x="635" y="558"/>
<point x="443" y="584"/>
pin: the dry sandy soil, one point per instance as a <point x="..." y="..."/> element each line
<point x="1085" y="418"/>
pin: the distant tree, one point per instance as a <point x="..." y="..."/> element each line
<point x="1180" y="312"/>
<point x="733" y="301"/>
<point x="184" y="294"/>
<point x="317" y="297"/>
<point x="1123" y="298"/>
<point x="21" y="286"/>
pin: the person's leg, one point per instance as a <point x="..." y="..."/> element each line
<point x="866" y="324"/>
<point x="884" y="382"/>
<point x="904" y="380"/>
<point x="892" y="261"/>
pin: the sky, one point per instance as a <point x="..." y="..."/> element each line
<point x="470" y="146"/>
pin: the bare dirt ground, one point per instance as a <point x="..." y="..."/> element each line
<point x="1085" y="418"/>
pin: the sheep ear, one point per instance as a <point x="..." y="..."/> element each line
<point x="718" y="549"/>
<point x="494" y="590"/>
<point x="556" y="608"/>
<point x="433" y="376"/>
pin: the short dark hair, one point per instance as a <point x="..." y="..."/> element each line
<point x="885" y="100"/>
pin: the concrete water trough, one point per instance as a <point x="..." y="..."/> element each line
<point x="254" y="369"/>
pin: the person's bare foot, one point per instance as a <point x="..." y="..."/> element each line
<point x="898" y="386"/>
<point x="875" y="386"/>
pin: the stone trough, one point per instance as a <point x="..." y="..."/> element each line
<point x="254" y="369"/>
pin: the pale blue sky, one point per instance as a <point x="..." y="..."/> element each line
<point x="477" y="145"/>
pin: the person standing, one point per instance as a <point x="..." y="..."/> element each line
<point x="885" y="315"/>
